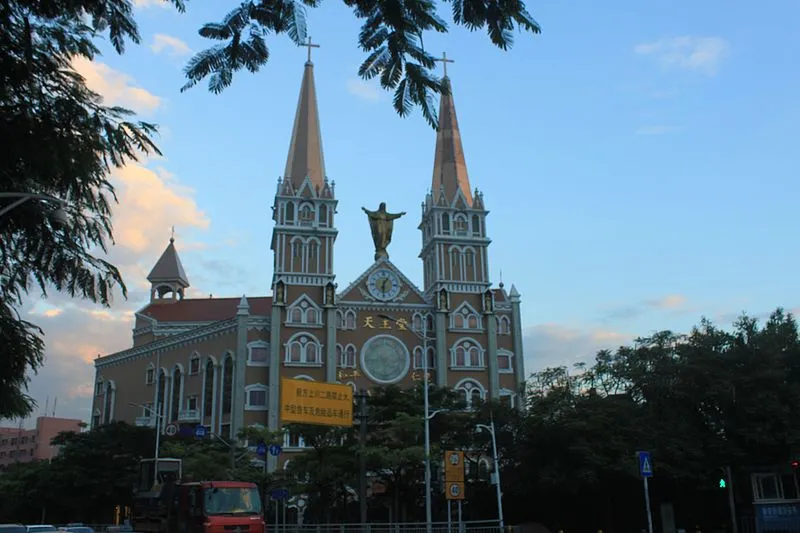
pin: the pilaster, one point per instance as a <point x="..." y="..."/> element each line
<point x="330" y="345"/>
<point x="274" y="376"/>
<point x="519" y="355"/>
<point x="441" y="348"/>
<point x="494" y="377"/>
<point x="240" y="370"/>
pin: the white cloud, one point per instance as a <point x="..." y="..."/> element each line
<point x="699" y="54"/>
<point x="656" y="130"/>
<point x="550" y="345"/>
<point x="116" y="87"/>
<point x="174" y="46"/>
<point x="364" y="90"/>
<point x="143" y="4"/>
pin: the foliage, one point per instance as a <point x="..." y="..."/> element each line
<point x="391" y="35"/>
<point x="60" y="140"/>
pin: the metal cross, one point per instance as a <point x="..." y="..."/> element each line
<point x="310" y="45"/>
<point x="444" y="61"/>
<point x="172" y="235"/>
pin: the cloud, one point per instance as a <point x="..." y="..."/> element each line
<point x="144" y="4"/>
<point x="174" y="46"/>
<point x="698" y="54"/>
<point x="549" y="345"/>
<point x="116" y="87"/>
<point x="656" y="130"/>
<point x="364" y="90"/>
<point x="672" y="303"/>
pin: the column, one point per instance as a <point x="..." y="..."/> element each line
<point x="275" y="357"/>
<point x="240" y="367"/>
<point x="330" y="346"/>
<point x="441" y="349"/>
<point x="491" y="333"/>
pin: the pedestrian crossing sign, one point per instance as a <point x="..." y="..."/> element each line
<point x="645" y="464"/>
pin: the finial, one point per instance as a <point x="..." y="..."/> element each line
<point x="309" y="45"/>
<point x="444" y="62"/>
<point x="501" y="279"/>
<point x="172" y="235"/>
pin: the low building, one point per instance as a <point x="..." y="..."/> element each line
<point x="19" y="445"/>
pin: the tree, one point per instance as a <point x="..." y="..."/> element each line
<point x="392" y="36"/>
<point x="60" y="140"/>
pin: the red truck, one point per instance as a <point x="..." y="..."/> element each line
<point x="166" y="503"/>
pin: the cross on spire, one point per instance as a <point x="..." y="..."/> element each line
<point x="444" y="62"/>
<point x="309" y="45"/>
<point x="172" y="235"/>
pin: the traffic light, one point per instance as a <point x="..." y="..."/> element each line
<point x="722" y="483"/>
<point x="795" y="464"/>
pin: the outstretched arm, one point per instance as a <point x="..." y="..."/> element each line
<point x="392" y="216"/>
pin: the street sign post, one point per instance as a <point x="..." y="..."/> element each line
<point x="646" y="471"/>
<point x="171" y="430"/>
<point x="200" y="432"/>
<point x="261" y="449"/>
<point x="275" y="450"/>
<point x="454" y="475"/>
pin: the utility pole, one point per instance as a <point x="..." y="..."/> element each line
<point x="362" y="457"/>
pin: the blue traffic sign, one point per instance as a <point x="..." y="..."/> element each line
<point x="280" y="494"/>
<point x="261" y="449"/>
<point x="645" y="464"/>
<point x="274" y="450"/>
<point x="200" y="431"/>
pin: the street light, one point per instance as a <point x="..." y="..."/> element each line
<point x="490" y="429"/>
<point x="154" y="412"/>
<point x="58" y="216"/>
<point x="427" y="416"/>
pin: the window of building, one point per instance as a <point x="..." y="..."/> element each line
<point x="225" y="430"/>
<point x="303" y="349"/>
<point x="476" y="226"/>
<point x="150" y="374"/>
<point x="208" y="388"/>
<point x="346" y="356"/>
<point x="471" y="392"/>
<point x="227" y="386"/>
<point x="293" y="440"/>
<point x="304" y="312"/>
<point x="507" y="397"/>
<point x="460" y="225"/>
<point x="418" y="361"/>
<point x="194" y="364"/>
<point x="772" y="486"/>
<point x="505" y="361"/>
<point x="191" y="403"/>
<point x="306" y="215"/>
<point x="258" y="354"/>
<point x="256" y="397"/>
<point x="503" y="325"/>
<point x="98" y="388"/>
<point x="465" y="317"/>
<point x="467" y="353"/>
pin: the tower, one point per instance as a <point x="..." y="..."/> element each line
<point x="455" y="258"/>
<point x="168" y="276"/>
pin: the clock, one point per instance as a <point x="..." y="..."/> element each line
<point x="383" y="284"/>
<point x="385" y="359"/>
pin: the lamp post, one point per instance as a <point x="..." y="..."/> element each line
<point x="490" y="429"/>
<point x="59" y="216"/>
<point x="427" y="416"/>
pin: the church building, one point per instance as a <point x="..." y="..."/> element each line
<point x="218" y="362"/>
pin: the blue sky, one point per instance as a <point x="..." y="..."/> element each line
<point x="639" y="161"/>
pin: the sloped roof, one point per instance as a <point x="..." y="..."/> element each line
<point x="169" y="267"/>
<point x="305" y="150"/>
<point x="449" y="164"/>
<point x="204" y="309"/>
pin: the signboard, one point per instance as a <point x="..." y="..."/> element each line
<point x="645" y="464"/>
<point x="261" y="449"/>
<point x="171" y="430"/>
<point x="279" y="494"/>
<point x="199" y="431"/>
<point x="314" y="402"/>
<point x="274" y="450"/>
<point x="454" y="466"/>
<point x="455" y="490"/>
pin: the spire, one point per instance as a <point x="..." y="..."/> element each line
<point x="168" y="274"/>
<point x="449" y="166"/>
<point x="305" y="151"/>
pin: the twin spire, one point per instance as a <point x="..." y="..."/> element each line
<point x="306" y="156"/>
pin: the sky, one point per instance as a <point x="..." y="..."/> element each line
<point x="639" y="161"/>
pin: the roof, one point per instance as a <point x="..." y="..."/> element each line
<point x="305" y="151"/>
<point x="204" y="309"/>
<point x="169" y="268"/>
<point x="449" y="165"/>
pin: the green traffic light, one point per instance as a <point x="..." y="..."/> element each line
<point x="722" y="483"/>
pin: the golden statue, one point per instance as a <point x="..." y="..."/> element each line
<point x="381" y="224"/>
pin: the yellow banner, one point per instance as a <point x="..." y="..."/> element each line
<point x="454" y="466"/>
<point x="314" y="402"/>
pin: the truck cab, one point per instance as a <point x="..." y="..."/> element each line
<point x="165" y="503"/>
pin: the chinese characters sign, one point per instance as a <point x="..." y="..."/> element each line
<point x="374" y="322"/>
<point x="312" y="402"/>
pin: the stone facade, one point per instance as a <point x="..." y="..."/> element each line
<point x="218" y="361"/>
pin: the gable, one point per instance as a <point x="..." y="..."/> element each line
<point x="358" y="291"/>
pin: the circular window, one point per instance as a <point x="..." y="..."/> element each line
<point x="385" y="359"/>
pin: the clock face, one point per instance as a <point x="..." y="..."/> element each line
<point x="385" y="359"/>
<point x="383" y="284"/>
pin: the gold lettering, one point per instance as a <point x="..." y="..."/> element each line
<point x="402" y="324"/>
<point x="369" y="322"/>
<point x="356" y="373"/>
<point x="386" y="324"/>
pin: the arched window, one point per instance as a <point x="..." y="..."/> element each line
<point x="161" y="394"/>
<point x="177" y="389"/>
<point x="455" y="263"/>
<point x="350" y="319"/>
<point x="471" y="392"/>
<point x="323" y="215"/>
<point x="470" y="270"/>
<point x="313" y="256"/>
<point x="339" y="319"/>
<point x="445" y="223"/>
<point x="503" y="325"/>
<point x="149" y="374"/>
<point x="289" y="213"/>
<point x="505" y="361"/>
<point x="108" y="403"/>
<point x="476" y="226"/>
<point x="194" y="364"/>
<point x="297" y="254"/>
<point x="465" y="317"/>
<point x="304" y="312"/>
<point x="349" y="356"/>
<point x="227" y="385"/>
<point x="208" y="388"/>
<point x="418" y="362"/>
<point x="303" y="349"/>
<point x="467" y="353"/>
<point x="306" y="215"/>
<point x="416" y="322"/>
<point x="460" y="224"/>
